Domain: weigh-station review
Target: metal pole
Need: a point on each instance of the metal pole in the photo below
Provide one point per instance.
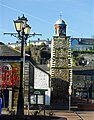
(70, 91)
(20, 104)
(69, 103)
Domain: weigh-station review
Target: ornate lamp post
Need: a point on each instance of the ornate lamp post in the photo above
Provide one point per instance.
(23, 30)
(23, 33)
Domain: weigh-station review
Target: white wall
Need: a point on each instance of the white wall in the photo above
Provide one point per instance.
(41, 81)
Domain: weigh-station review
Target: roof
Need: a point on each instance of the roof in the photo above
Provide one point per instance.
(1, 43)
(84, 72)
(84, 41)
(44, 67)
(60, 22)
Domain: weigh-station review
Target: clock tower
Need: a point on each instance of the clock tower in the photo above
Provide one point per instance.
(60, 61)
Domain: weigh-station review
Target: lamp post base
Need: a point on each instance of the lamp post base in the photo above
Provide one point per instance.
(20, 103)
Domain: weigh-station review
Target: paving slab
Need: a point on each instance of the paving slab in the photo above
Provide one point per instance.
(66, 114)
(75, 115)
(86, 115)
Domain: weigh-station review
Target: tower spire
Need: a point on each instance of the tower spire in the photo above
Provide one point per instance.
(60, 27)
(60, 14)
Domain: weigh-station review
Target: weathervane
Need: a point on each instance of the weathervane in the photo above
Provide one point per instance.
(60, 14)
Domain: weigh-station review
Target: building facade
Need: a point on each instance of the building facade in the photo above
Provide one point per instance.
(10, 78)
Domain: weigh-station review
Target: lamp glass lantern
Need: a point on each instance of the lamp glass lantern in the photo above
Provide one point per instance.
(18, 25)
(24, 21)
(27, 30)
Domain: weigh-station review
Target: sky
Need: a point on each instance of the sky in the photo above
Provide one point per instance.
(43, 14)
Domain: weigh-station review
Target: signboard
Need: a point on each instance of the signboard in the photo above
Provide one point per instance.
(70, 90)
(33, 99)
(40, 99)
(37, 99)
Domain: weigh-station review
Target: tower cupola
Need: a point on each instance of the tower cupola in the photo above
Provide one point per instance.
(60, 28)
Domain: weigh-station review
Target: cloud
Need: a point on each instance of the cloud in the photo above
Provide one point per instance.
(23, 12)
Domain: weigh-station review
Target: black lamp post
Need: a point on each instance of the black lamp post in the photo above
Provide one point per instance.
(23, 30)
(23, 33)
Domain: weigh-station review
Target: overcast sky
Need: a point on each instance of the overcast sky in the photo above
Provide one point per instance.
(42, 15)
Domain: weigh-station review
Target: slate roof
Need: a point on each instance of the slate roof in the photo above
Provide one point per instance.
(84, 41)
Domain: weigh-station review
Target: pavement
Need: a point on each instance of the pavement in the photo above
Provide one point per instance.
(75, 115)
(69, 115)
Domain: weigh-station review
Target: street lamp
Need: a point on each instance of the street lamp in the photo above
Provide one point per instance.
(23, 33)
(23, 30)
